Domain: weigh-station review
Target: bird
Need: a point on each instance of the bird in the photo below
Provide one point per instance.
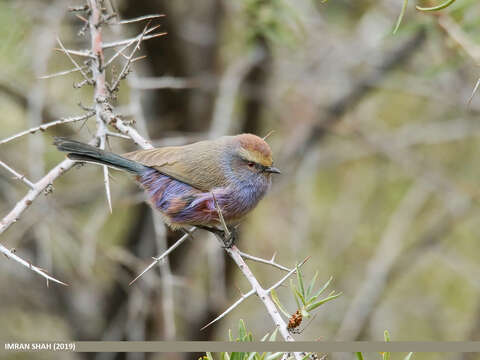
(188, 184)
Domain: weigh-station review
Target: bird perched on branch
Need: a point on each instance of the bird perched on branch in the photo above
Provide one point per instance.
(186, 182)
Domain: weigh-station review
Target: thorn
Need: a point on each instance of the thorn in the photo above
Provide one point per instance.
(273, 256)
(269, 133)
(81, 18)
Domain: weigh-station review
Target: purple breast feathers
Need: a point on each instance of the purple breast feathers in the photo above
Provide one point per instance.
(183, 204)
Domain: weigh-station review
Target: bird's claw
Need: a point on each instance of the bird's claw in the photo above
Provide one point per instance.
(229, 241)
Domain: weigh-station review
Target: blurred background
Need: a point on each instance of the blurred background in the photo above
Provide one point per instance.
(374, 133)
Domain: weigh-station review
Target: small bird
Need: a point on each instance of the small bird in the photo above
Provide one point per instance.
(185, 182)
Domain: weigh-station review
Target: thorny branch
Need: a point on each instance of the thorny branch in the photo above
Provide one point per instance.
(105, 116)
(45, 126)
(17, 175)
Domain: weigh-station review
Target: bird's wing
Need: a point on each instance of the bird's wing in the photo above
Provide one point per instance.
(198, 164)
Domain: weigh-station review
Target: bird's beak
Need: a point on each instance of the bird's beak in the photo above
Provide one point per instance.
(271, 169)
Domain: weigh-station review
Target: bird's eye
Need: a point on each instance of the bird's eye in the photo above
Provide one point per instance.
(251, 165)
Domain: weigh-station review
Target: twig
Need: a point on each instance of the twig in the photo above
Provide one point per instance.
(84, 53)
(131, 132)
(137, 19)
(168, 301)
(45, 126)
(10, 254)
(120, 52)
(264, 261)
(253, 291)
(263, 294)
(290, 273)
(123, 42)
(106, 179)
(100, 93)
(88, 80)
(126, 66)
(164, 82)
(18, 176)
(157, 259)
(230, 308)
(114, 134)
(61, 73)
(39, 186)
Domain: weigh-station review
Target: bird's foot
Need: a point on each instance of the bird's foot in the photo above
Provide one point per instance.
(228, 241)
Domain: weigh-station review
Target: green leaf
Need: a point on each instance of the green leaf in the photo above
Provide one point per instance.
(386, 336)
(251, 355)
(321, 302)
(300, 283)
(386, 354)
(209, 356)
(400, 17)
(230, 337)
(307, 356)
(242, 330)
(322, 289)
(359, 355)
(273, 337)
(264, 337)
(236, 356)
(274, 356)
(409, 356)
(312, 284)
(225, 356)
(292, 287)
(277, 302)
(300, 296)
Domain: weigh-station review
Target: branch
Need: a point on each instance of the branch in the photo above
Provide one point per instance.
(162, 256)
(230, 308)
(253, 291)
(61, 73)
(78, 67)
(45, 126)
(138, 19)
(11, 255)
(264, 261)
(126, 66)
(18, 176)
(263, 295)
(119, 52)
(13, 216)
(123, 42)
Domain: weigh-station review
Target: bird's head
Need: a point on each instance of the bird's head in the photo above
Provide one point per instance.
(251, 159)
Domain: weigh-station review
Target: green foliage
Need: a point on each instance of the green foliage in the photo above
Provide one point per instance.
(245, 336)
(305, 297)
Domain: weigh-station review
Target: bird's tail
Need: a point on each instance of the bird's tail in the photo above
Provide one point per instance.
(83, 152)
